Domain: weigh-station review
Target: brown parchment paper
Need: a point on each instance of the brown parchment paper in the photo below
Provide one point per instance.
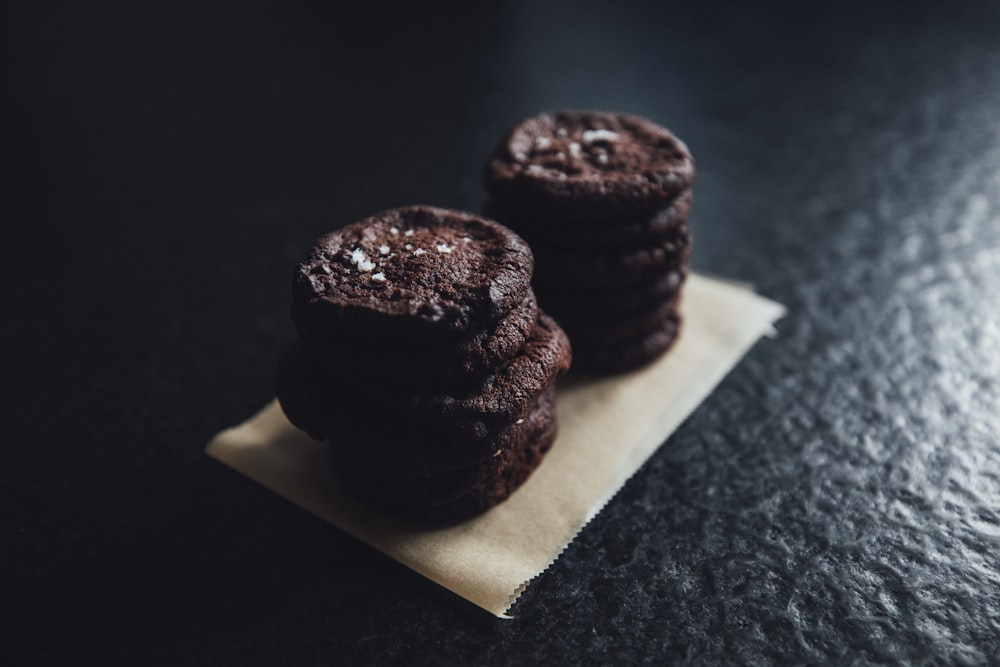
(608, 428)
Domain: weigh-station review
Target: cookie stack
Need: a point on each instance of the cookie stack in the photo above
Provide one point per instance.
(603, 199)
(424, 361)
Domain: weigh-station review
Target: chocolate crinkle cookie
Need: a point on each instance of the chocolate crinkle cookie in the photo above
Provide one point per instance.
(603, 198)
(424, 361)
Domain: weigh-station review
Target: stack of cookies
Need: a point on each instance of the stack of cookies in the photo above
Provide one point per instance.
(423, 360)
(603, 199)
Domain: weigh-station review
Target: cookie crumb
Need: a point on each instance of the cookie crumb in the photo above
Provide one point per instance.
(561, 133)
(378, 277)
(408, 232)
(602, 158)
(393, 231)
(383, 249)
(445, 248)
(418, 252)
(574, 149)
(541, 143)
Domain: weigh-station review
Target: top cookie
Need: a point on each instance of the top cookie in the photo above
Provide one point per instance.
(588, 165)
(410, 275)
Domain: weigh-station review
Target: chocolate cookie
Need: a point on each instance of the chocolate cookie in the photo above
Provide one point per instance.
(614, 300)
(505, 395)
(303, 392)
(381, 433)
(606, 359)
(588, 165)
(490, 492)
(460, 364)
(324, 405)
(561, 266)
(443, 366)
(601, 235)
(607, 329)
(391, 486)
(409, 276)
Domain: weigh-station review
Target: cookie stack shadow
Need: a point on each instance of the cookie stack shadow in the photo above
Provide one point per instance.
(603, 200)
(423, 361)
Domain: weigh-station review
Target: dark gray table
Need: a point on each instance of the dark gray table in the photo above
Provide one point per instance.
(836, 500)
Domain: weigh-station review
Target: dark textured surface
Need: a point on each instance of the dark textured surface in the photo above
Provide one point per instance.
(834, 501)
